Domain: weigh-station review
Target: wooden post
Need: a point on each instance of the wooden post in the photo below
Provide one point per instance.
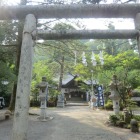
(137, 26)
(20, 123)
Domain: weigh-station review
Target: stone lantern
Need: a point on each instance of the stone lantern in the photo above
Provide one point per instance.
(43, 86)
(115, 97)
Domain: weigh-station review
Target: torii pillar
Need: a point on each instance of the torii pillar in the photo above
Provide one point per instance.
(20, 123)
(137, 27)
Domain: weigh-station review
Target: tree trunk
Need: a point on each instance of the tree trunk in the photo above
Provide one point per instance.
(61, 73)
(13, 98)
(88, 34)
(71, 11)
(20, 123)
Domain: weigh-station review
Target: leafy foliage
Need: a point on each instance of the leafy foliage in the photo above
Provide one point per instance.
(137, 117)
(109, 105)
(113, 119)
(41, 69)
(7, 57)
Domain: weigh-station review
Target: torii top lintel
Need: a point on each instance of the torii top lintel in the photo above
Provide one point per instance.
(70, 11)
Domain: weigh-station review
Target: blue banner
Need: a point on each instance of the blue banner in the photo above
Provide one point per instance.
(98, 90)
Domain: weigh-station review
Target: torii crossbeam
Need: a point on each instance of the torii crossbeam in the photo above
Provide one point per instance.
(70, 11)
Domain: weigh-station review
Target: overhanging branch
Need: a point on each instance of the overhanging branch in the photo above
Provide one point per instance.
(88, 34)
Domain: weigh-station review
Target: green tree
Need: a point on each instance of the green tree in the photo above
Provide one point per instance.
(125, 65)
(7, 56)
(59, 53)
(113, 46)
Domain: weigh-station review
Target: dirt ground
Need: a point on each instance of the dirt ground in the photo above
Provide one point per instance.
(70, 123)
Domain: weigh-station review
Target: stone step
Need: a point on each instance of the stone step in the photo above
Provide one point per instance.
(76, 99)
(76, 103)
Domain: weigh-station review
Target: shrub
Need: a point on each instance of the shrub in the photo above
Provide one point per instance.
(127, 126)
(34, 103)
(113, 119)
(120, 123)
(52, 102)
(136, 117)
(121, 116)
(109, 105)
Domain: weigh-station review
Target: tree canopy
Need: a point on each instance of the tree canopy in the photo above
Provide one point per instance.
(56, 58)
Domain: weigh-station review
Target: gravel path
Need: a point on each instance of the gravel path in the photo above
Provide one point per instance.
(70, 123)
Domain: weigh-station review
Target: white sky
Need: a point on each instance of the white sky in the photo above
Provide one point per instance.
(95, 23)
(102, 23)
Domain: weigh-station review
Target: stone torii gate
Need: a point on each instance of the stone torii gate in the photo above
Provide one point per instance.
(30, 32)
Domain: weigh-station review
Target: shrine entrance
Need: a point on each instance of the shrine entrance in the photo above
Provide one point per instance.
(72, 91)
(76, 96)
(30, 35)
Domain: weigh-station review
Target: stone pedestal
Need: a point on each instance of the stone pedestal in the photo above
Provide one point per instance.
(87, 96)
(91, 104)
(43, 107)
(60, 102)
(115, 97)
(92, 101)
(43, 86)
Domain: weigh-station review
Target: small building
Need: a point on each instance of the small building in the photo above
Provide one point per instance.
(72, 91)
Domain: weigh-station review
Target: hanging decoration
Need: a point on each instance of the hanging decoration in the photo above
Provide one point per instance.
(101, 58)
(93, 60)
(84, 61)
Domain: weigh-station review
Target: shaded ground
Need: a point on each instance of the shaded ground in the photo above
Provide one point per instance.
(71, 123)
